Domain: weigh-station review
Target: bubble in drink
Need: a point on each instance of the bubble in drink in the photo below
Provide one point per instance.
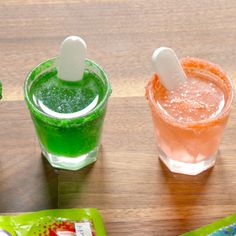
(190, 119)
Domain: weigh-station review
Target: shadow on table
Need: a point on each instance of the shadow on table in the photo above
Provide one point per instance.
(51, 184)
(75, 188)
(188, 195)
(30, 185)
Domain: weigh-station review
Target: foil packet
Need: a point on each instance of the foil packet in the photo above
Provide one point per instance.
(58, 222)
(222, 227)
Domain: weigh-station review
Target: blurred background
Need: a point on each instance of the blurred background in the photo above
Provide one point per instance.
(121, 36)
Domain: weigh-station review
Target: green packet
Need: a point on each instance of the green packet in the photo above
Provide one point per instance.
(66, 222)
(0, 89)
(225, 226)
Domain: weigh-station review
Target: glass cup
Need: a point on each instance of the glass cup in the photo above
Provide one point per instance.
(190, 148)
(68, 143)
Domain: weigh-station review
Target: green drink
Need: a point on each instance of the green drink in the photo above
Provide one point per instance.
(68, 115)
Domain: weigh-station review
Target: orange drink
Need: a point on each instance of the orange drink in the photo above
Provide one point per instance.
(189, 120)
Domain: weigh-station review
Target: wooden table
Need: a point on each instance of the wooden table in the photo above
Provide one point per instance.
(135, 193)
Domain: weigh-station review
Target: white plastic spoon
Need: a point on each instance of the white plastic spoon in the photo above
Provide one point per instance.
(71, 60)
(168, 68)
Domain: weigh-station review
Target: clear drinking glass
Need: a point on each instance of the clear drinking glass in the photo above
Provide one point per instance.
(68, 143)
(190, 147)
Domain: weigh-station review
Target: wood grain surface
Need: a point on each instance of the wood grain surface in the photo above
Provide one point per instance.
(135, 193)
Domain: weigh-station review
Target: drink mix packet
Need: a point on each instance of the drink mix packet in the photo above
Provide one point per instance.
(67, 222)
(225, 226)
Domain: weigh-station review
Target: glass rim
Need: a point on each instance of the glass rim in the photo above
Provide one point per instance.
(88, 63)
(201, 123)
